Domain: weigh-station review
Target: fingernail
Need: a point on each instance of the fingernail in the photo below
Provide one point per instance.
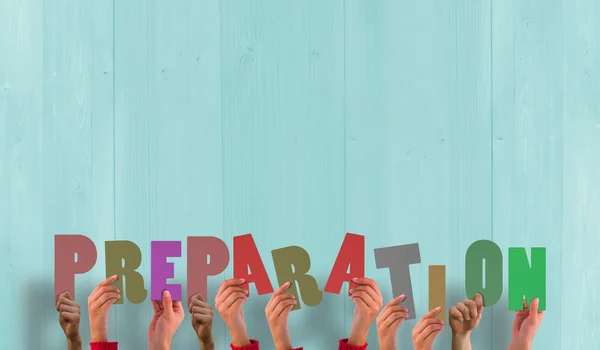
(246, 291)
(243, 280)
(293, 296)
(402, 296)
(295, 302)
(167, 293)
(286, 284)
(350, 291)
(355, 279)
(118, 291)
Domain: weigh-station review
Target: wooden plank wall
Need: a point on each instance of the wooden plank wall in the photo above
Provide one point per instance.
(437, 122)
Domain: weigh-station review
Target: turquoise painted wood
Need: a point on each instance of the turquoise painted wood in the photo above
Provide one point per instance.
(434, 122)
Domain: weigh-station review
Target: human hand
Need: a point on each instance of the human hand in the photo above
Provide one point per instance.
(229, 302)
(102, 297)
(388, 322)
(427, 329)
(277, 311)
(202, 315)
(525, 326)
(168, 315)
(367, 297)
(464, 318)
(68, 317)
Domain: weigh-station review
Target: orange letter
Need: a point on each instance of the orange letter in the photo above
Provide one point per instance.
(246, 257)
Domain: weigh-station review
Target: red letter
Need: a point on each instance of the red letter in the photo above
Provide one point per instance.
(198, 268)
(65, 265)
(246, 256)
(352, 253)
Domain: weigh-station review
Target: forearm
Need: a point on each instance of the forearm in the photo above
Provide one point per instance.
(518, 346)
(239, 338)
(358, 336)
(74, 344)
(461, 341)
(388, 343)
(207, 345)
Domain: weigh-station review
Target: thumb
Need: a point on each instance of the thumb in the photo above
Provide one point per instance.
(167, 302)
(533, 312)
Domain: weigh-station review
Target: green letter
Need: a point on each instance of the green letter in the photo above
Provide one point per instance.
(526, 280)
(491, 253)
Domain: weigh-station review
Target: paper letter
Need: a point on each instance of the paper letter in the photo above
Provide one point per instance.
(352, 254)
(123, 258)
(246, 256)
(65, 264)
(292, 265)
(160, 269)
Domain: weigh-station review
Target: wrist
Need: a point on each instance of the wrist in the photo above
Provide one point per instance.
(239, 339)
(461, 341)
(99, 337)
(283, 345)
(358, 336)
(516, 345)
(387, 342)
(74, 344)
(161, 345)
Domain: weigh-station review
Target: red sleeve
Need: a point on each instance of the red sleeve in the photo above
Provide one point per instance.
(104, 346)
(345, 346)
(253, 346)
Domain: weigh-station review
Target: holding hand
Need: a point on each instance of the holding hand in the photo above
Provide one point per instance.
(525, 326)
(427, 329)
(202, 315)
(368, 300)
(168, 315)
(69, 316)
(98, 304)
(388, 322)
(229, 302)
(464, 318)
(277, 310)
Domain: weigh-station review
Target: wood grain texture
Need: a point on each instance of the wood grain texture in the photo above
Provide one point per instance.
(581, 176)
(24, 259)
(419, 171)
(77, 134)
(168, 140)
(283, 146)
(528, 148)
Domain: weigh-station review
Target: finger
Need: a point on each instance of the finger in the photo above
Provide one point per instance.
(371, 283)
(478, 299)
(199, 304)
(464, 310)
(278, 292)
(432, 313)
(230, 283)
(201, 311)
(156, 306)
(68, 308)
(167, 302)
(369, 290)
(286, 312)
(361, 297)
(233, 298)
(63, 295)
(67, 302)
(533, 315)
(282, 305)
(177, 305)
(455, 313)
(425, 322)
(388, 310)
(107, 281)
(472, 308)
(277, 300)
(105, 298)
(197, 296)
(227, 293)
(71, 317)
(431, 331)
(395, 318)
(396, 300)
(203, 319)
(99, 291)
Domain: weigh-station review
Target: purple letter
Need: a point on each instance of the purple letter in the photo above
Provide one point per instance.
(161, 269)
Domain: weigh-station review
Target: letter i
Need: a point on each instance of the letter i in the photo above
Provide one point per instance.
(437, 289)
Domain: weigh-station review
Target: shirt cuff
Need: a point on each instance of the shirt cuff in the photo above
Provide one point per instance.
(253, 346)
(345, 346)
(104, 346)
